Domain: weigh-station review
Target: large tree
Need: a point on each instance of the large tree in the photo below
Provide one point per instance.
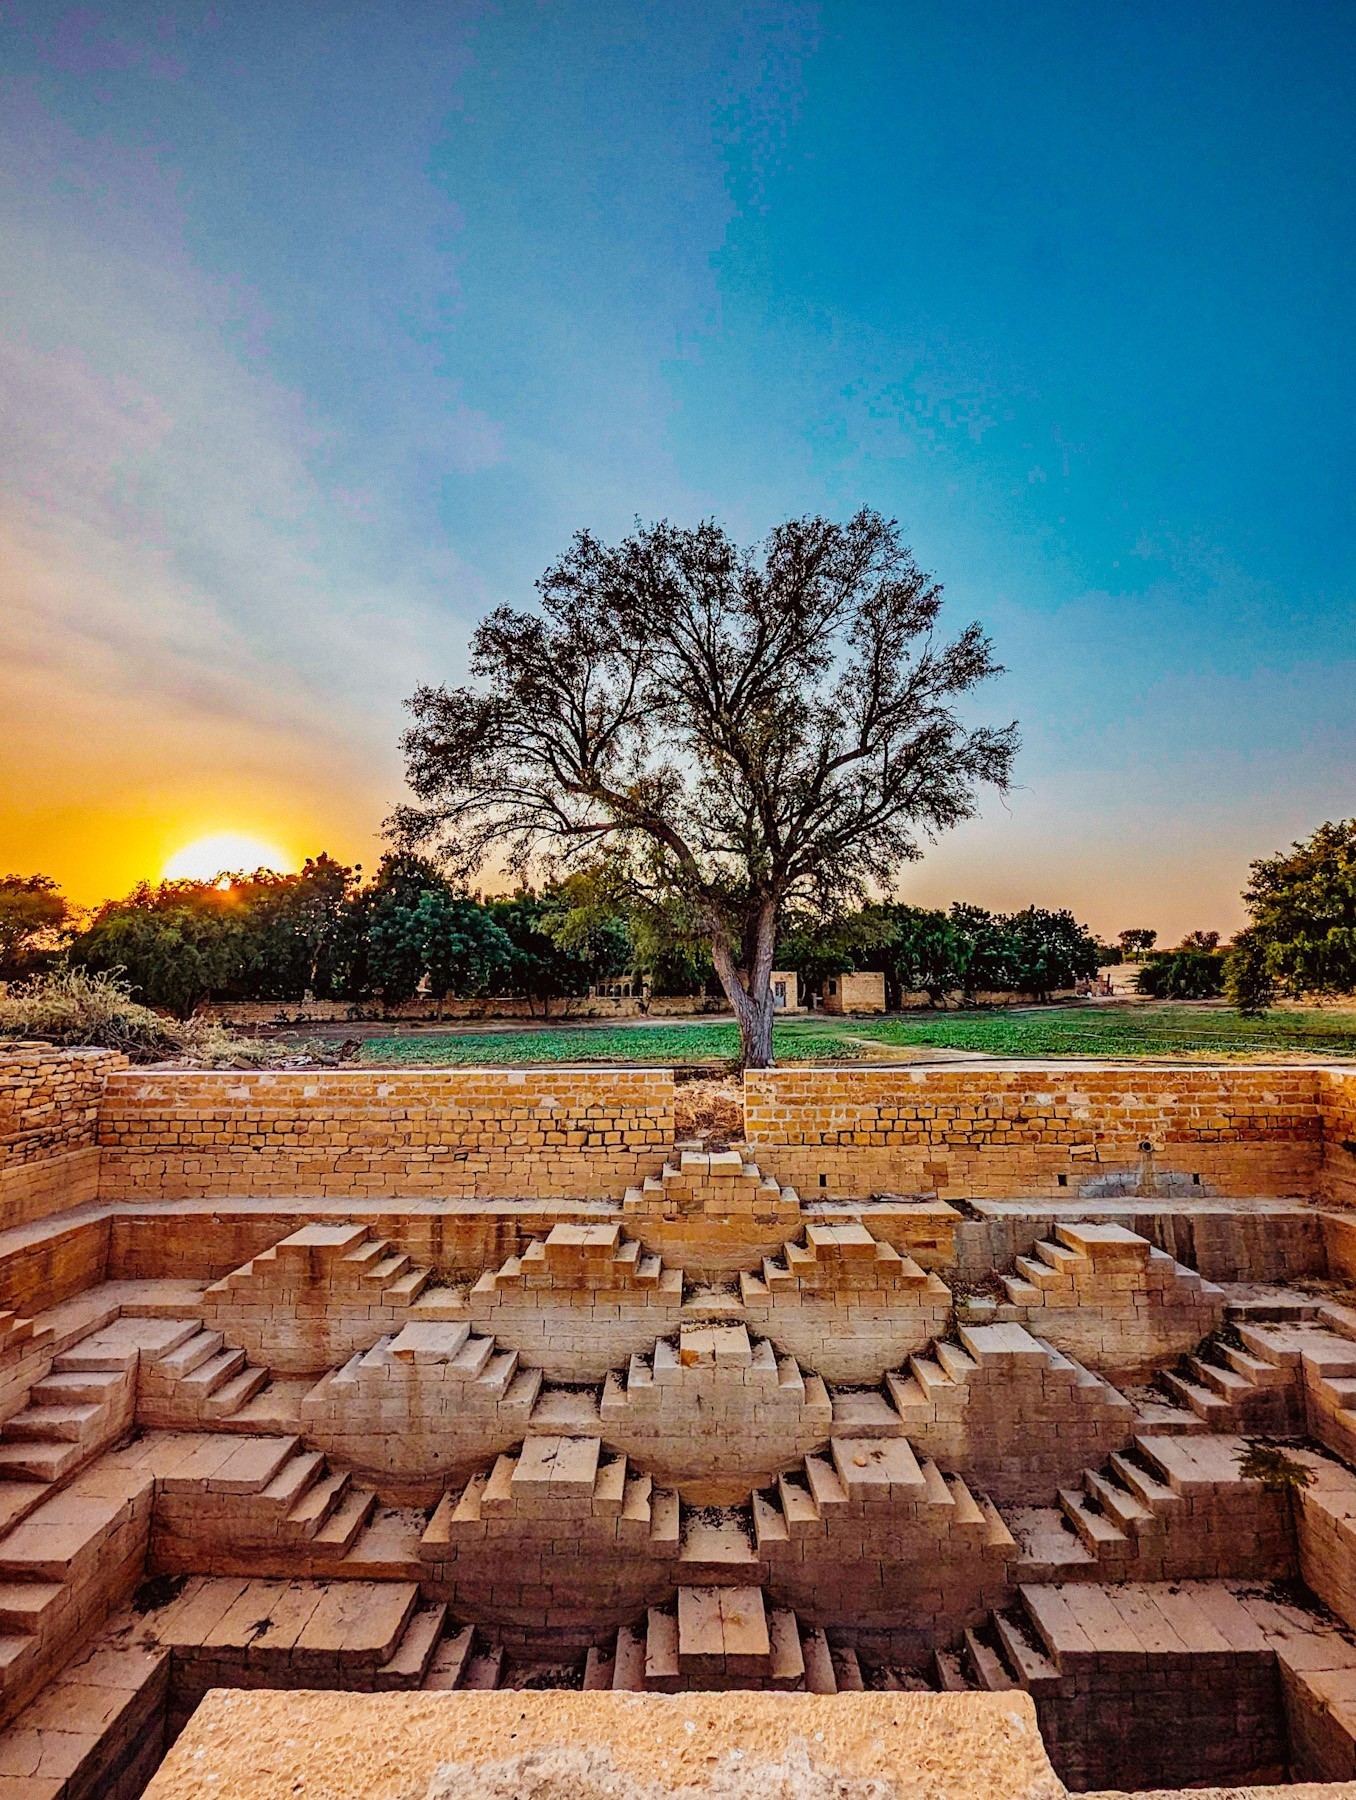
(745, 729)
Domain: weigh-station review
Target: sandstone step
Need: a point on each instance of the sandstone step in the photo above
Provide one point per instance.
(1125, 1509)
(599, 1665)
(414, 1653)
(1202, 1401)
(190, 1355)
(847, 1671)
(317, 1501)
(448, 1663)
(26, 1606)
(235, 1393)
(101, 1387)
(628, 1667)
(820, 1677)
(342, 1529)
(61, 1540)
(786, 1657)
(987, 1666)
(948, 1674)
(1033, 1668)
(1156, 1495)
(46, 1462)
(73, 1424)
(1098, 1532)
(485, 1669)
(664, 1662)
(297, 1474)
(1228, 1383)
(212, 1374)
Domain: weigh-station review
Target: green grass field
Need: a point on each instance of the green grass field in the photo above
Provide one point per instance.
(1031, 1032)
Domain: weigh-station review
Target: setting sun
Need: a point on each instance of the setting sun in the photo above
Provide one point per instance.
(223, 851)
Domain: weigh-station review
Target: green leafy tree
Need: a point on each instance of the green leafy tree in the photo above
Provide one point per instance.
(1302, 938)
(177, 943)
(1187, 973)
(1137, 943)
(749, 731)
(1045, 950)
(33, 916)
(417, 928)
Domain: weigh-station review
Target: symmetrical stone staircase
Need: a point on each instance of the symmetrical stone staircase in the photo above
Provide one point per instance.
(715, 1184)
(721, 1637)
(422, 1406)
(845, 1301)
(1107, 1296)
(717, 1406)
(1168, 1508)
(578, 1301)
(997, 1403)
(315, 1298)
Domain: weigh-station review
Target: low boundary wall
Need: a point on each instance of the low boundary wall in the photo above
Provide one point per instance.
(996, 1132)
(49, 1107)
(440, 1134)
(80, 1125)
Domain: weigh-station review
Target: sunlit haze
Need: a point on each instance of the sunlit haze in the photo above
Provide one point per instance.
(226, 852)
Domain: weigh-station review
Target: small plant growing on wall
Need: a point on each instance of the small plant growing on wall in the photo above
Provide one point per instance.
(1269, 1464)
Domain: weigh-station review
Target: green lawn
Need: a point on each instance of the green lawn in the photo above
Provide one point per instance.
(1035, 1032)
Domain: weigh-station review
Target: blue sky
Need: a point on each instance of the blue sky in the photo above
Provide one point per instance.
(321, 329)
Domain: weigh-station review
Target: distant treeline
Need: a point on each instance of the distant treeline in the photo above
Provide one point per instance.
(331, 934)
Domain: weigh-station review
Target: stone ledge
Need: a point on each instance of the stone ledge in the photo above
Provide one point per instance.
(271, 1746)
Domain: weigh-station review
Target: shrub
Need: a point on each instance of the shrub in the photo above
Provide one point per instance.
(1186, 974)
(80, 1009)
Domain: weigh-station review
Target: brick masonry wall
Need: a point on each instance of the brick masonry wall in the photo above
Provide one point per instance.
(996, 1132)
(49, 1103)
(1338, 1088)
(440, 1134)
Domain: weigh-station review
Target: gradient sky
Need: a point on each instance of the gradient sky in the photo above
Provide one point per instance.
(323, 327)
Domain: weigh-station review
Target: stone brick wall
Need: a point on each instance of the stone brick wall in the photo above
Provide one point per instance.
(994, 1132)
(432, 1133)
(49, 1103)
(1338, 1089)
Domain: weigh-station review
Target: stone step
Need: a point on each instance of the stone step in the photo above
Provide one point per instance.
(27, 1606)
(485, 1670)
(1201, 1400)
(1021, 1293)
(664, 1662)
(46, 1461)
(847, 1671)
(235, 1393)
(406, 1290)
(987, 1666)
(212, 1374)
(414, 1653)
(447, 1666)
(1033, 1669)
(298, 1473)
(342, 1529)
(947, 1673)
(1124, 1508)
(628, 1663)
(68, 1424)
(100, 1387)
(1156, 1495)
(1097, 1531)
(820, 1676)
(317, 1500)
(786, 1658)
(1229, 1384)
(191, 1355)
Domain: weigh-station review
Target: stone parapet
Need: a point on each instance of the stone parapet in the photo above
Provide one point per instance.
(49, 1106)
(1008, 1130)
(443, 1134)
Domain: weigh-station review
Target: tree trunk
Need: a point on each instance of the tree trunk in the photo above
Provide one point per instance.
(750, 991)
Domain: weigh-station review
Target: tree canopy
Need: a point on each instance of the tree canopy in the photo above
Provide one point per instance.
(1302, 938)
(32, 916)
(742, 730)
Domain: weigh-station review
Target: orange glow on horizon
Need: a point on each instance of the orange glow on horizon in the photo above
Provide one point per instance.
(227, 852)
